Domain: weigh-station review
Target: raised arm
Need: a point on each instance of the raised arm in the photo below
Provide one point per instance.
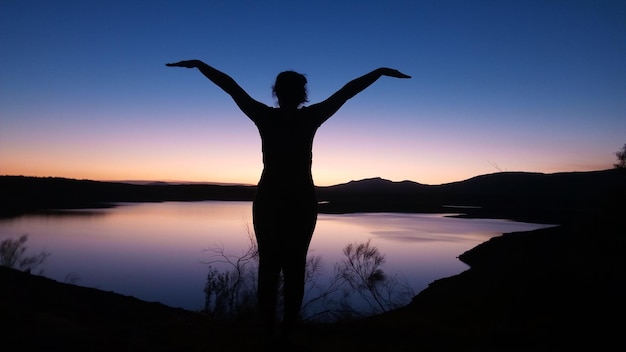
(329, 106)
(249, 106)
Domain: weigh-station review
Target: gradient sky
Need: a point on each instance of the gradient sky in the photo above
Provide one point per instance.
(537, 86)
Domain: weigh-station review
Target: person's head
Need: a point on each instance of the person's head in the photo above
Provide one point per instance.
(290, 89)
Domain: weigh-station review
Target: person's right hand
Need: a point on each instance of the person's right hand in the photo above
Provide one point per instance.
(187, 64)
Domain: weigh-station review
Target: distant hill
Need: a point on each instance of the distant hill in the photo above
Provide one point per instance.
(377, 184)
(516, 195)
(535, 197)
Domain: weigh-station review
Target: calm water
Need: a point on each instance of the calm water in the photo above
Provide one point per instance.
(156, 251)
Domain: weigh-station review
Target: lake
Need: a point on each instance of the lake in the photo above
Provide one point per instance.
(158, 251)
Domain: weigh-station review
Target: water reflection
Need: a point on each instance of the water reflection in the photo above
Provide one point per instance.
(155, 251)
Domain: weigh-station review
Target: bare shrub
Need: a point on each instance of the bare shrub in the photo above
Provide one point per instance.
(232, 293)
(362, 270)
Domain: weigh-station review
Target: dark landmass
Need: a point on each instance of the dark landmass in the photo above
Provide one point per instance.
(21, 194)
(555, 289)
(542, 198)
(532, 197)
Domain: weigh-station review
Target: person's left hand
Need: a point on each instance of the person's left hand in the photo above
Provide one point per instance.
(187, 64)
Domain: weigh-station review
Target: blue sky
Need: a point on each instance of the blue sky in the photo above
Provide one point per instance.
(537, 86)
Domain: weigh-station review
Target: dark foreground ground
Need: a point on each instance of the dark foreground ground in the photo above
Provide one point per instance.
(555, 289)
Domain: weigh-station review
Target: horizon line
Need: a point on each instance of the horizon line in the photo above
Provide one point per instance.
(217, 183)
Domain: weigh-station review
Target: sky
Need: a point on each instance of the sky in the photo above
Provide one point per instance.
(533, 86)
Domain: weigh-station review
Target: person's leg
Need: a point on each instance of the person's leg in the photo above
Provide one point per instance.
(264, 213)
(267, 290)
(294, 262)
(294, 275)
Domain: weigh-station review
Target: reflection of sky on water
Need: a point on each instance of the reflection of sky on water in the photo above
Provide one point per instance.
(155, 251)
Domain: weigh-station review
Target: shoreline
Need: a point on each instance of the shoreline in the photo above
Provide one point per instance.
(327, 208)
(523, 291)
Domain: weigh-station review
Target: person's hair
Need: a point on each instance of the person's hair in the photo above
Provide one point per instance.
(290, 86)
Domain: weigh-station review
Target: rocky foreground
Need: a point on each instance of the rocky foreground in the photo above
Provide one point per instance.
(554, 289)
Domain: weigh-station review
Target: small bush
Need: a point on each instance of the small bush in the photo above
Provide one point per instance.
(13, 255)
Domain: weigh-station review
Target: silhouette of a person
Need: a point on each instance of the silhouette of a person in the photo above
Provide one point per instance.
(285, 205)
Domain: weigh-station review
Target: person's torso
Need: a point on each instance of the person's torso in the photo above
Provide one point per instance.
(287, 144)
